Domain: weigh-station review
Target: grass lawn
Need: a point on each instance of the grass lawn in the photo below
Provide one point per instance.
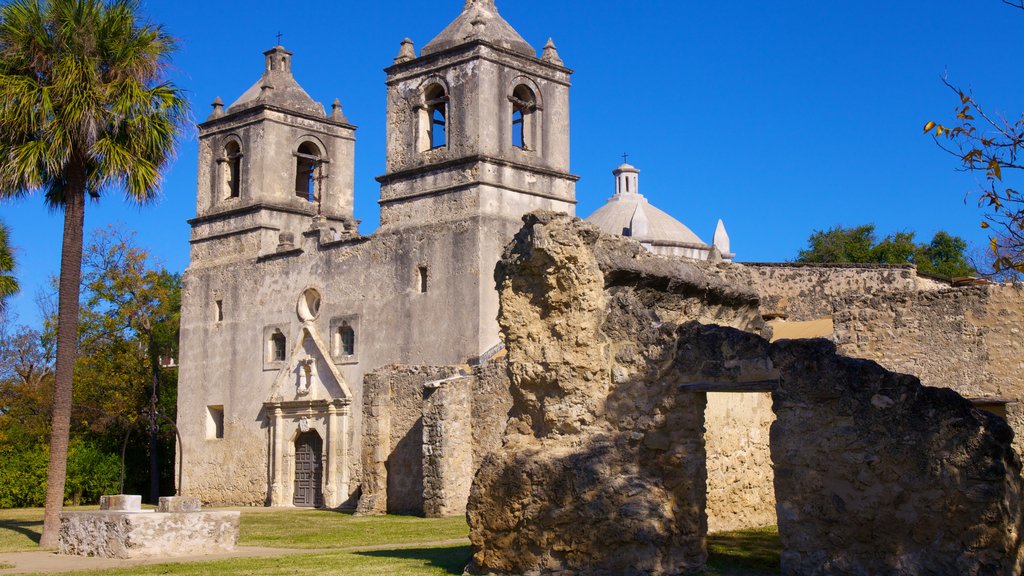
(402, 546)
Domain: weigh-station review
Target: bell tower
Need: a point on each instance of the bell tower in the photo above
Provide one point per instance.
(477, 125)
(272, 165)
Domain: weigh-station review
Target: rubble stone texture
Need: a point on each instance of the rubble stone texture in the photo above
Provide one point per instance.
(147, 534)
(876, 474)
(603, 466)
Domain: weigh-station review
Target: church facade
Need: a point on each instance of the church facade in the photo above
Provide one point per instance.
(286, 306)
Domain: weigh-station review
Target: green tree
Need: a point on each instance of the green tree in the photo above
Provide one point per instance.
(8, 283)
(839, 245)
(990, 143)
(943, 256)
(84, 108)
(130, 322)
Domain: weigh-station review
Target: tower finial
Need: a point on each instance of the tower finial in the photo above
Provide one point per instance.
(550, 54)
(485, 4)
(218, 108)
(406, 52)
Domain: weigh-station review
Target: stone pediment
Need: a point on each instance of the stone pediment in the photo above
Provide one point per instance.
(309, 372)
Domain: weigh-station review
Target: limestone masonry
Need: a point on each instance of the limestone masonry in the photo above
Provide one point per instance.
(321, 367)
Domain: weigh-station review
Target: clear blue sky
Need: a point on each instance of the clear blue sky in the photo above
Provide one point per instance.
(778, 117)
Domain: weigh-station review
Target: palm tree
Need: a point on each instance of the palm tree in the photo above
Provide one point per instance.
(84, 108)
(8, 283)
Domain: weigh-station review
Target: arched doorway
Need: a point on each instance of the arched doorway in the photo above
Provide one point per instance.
(309, 449)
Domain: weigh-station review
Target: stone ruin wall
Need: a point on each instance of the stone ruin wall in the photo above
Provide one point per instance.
(876, 474)
(603, 466)
(966, 338)
(426, 428)
(803, 292)
(601, 470)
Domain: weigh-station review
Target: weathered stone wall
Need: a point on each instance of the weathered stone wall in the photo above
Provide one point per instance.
(111, 534)
(602, 470)
(426, 429)
(447, 446)
(491, 401)
(968, 339)
(803, 292)
(876, 474)
(392, 448)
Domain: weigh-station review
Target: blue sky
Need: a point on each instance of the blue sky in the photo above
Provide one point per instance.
(778, 117)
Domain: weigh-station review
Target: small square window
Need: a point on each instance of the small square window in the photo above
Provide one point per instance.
(214, 422)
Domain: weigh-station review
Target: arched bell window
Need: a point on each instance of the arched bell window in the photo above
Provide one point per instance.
(231, 170)
(433, 118)
(308, 168)
(524, 122)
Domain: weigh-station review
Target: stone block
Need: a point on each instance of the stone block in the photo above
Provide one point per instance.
(121, 503)
(179, 504)
(125, 535)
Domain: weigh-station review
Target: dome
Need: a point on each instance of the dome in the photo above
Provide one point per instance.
(628, 213)
(624, 215)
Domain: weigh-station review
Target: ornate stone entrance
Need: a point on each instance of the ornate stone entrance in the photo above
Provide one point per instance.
(307, 415)
(309, 450)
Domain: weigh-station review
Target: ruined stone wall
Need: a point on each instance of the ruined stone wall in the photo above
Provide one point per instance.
(803, 292)
(876, 474)
(426, 429)
(491, 401)
(602, 470)
(447, 446)
(925, 334)
(392, 450)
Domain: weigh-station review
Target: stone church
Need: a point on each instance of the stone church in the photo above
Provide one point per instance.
(323, 367)
(286, 306)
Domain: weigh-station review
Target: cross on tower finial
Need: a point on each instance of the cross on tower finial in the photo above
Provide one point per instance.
(625, 158)
(279, 38)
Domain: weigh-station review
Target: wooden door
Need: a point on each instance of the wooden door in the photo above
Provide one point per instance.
(308, 471)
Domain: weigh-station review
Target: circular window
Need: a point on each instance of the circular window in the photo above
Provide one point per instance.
(309, 305)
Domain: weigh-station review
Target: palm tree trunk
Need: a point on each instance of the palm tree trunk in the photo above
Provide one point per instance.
(67, 350)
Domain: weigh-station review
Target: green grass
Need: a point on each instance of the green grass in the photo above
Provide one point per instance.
(744, 552)
(318, 529)
(427, 561)
(20, 529)
(402, 546)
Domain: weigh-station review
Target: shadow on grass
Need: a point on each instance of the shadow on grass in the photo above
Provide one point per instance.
(452, 560)
(31, 529)
(747, 552)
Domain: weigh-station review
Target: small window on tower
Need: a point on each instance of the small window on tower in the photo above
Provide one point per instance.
(308, 171)
(218, 310)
